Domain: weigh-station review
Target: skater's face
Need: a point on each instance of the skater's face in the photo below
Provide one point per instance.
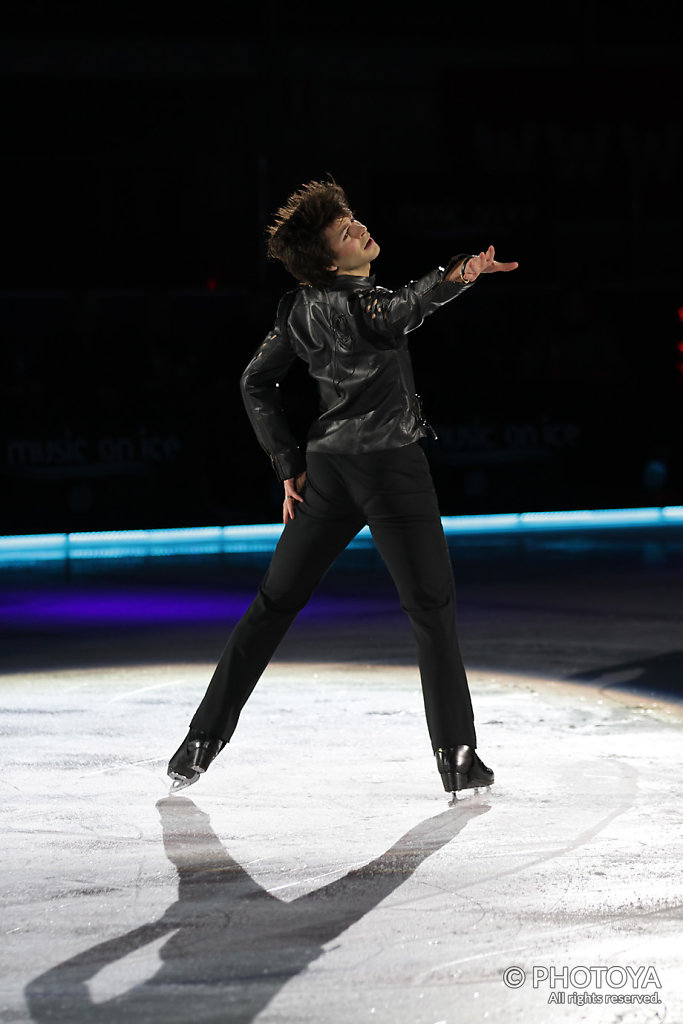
(352, 245)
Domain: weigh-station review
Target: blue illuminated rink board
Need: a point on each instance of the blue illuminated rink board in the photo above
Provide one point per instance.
(264, 537)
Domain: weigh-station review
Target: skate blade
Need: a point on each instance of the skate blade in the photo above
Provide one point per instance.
(476, 793)
(181, 781)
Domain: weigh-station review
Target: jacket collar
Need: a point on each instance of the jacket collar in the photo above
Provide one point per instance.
(350, 282)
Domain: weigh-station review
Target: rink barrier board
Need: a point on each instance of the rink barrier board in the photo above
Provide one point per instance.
(257, 538)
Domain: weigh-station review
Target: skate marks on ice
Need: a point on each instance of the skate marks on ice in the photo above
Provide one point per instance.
(617, 783)
(230, 945)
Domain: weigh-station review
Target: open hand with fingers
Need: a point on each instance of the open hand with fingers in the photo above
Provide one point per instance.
(485, 263)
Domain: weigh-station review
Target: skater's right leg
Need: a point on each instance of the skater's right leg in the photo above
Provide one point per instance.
(323, 526)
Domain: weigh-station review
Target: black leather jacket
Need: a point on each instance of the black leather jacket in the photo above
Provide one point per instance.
(352, 336)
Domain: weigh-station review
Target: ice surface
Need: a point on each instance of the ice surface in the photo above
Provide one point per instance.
(317, 873)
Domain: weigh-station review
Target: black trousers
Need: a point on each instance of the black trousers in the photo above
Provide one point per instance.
(392, 491)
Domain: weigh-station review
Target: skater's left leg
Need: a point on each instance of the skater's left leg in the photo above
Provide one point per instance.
(403, 515)
(400, 504)
(414, 550)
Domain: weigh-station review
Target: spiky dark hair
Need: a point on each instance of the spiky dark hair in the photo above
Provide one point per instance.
(297, 235)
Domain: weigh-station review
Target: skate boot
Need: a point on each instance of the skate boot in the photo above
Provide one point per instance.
(461, 768)
(192, 758)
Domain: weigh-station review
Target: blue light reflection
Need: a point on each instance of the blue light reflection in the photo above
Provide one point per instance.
(264, 537)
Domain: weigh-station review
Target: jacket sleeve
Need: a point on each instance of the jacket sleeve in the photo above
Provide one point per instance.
(397, 312)
(260, 392)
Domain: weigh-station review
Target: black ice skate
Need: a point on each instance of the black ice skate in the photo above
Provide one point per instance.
(461, 769)
(192, 758)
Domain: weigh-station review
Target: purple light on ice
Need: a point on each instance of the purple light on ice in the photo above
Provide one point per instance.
(93, 607)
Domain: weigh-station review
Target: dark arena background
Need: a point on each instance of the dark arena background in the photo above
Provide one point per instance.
(145, 151)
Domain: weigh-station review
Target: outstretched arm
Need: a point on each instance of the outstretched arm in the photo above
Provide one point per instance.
(469, 269)
(395, 313)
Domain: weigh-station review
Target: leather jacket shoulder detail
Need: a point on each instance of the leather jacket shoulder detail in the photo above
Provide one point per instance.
(352, 336)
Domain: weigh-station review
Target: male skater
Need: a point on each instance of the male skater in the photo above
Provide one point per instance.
(363, 464)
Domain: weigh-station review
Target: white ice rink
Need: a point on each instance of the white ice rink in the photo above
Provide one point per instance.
(317, 872)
